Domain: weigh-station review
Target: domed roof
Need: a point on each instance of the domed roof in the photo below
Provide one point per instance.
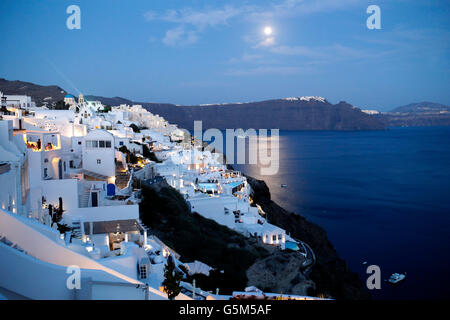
(69, 96)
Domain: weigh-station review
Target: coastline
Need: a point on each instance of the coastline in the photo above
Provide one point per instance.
(330, 274)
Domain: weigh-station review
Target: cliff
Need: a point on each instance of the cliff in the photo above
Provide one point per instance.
(330, 274)
(40, 94)
(283, 114)
(417, 114)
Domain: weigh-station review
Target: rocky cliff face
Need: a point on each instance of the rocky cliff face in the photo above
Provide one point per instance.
(417, 114)
(39, 94)
(415, 119)
(281, 114)
(330, 274)
(282, 272)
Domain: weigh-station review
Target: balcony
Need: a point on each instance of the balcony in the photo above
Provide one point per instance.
(38, 141)
(4, 167)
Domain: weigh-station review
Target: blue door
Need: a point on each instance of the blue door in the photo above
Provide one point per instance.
(110, 189)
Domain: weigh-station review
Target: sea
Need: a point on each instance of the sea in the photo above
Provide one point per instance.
(383, 198)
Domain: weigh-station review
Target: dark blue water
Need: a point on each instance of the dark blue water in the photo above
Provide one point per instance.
(382, 196)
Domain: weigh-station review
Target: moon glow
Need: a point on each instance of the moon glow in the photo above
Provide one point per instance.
(268, 31)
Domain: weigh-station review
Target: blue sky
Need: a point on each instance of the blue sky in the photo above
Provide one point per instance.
(195, 52)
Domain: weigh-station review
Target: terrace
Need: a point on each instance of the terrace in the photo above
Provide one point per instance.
(39, 140)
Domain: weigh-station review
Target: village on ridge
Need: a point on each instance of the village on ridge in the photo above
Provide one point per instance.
(69, 198)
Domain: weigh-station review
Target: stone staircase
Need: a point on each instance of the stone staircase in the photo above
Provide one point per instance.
(76, 229)
(83, 199)
(122, 176)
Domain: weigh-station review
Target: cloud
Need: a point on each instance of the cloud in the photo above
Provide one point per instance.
(195, 22)
(296, 8)
(267, 42)
(314, 59)
(248, 58)
(331, 53)
(179, 36)
(265, 70)
(191, 23)
(197, 18)
(298, 51)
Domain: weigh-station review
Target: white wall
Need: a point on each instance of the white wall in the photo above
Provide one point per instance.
(66, 188)
(8, 195)
(107, 166)
(15, 182)
(45, 249)
(39, 280)
(19, 101)
(213, 208)
(108, 213)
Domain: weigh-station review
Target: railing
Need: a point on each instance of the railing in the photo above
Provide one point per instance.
(4, 167)
(162, 244)
(144, 288)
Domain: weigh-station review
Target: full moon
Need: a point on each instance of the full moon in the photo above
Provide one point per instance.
(268, 31)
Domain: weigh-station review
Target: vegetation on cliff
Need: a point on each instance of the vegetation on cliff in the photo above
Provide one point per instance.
(330, 273)
(194, 237)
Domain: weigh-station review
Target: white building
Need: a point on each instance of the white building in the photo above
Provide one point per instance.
(19, 101)
(13, 171)
(99, 153)
(70, 100)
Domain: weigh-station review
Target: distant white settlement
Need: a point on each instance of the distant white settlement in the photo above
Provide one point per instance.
(67, 200)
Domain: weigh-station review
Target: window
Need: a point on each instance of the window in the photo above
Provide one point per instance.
(279, 237)
(71, 163)
(274, 237)
(65, 168)
(91, 144)
(79, 142)
(108, 143)
(101, 143)
(143, 271)
(99, 161)
(45, 172)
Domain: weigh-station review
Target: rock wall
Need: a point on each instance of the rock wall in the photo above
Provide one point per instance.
(330, 274)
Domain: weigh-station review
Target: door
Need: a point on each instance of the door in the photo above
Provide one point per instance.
(111, 189)
(60, 174)
(94, 196)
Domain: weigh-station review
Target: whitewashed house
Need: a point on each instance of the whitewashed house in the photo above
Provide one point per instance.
(99, 154)
(13, 171)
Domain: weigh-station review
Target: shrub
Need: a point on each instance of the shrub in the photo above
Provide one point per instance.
(197, 238)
